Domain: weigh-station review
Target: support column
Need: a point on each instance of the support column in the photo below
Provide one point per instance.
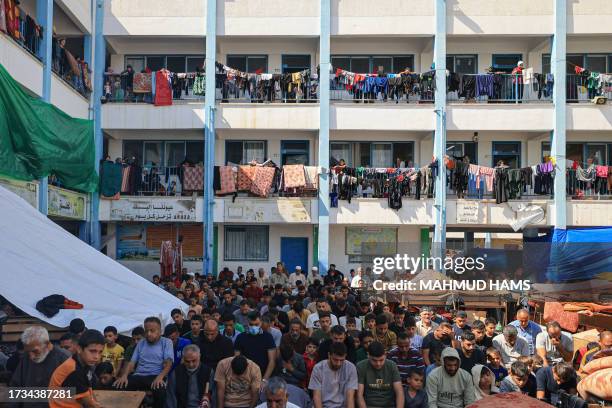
(99, 62)
(558, 135)
(439, 242)
(209, 137)
(44, 16)
(324, 77)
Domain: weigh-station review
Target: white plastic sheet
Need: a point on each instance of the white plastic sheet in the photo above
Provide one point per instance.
(38, 258)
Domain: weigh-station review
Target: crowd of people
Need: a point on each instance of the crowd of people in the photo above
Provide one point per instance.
(303, 340)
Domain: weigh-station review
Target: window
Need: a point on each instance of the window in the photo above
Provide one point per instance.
(508, 152)
(133, 148)
(295, 63)
(340, 151)
(596, 63)
(152, 153)
(174, 63)
(462, 64)
(460, 149)
(246, 243)
(597, 152)
(248, 63)
(505, 62)
(169, 154)
(382, 155)
(295, 152)
(245, 151)
(195, 63)
(175, 153)
(364, 64)
(580, 152)
(194, 152)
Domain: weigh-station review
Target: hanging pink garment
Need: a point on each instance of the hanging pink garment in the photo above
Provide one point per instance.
(166, 259)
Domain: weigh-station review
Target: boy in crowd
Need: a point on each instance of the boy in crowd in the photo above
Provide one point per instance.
(76, 372)
(495, 365)
(113, 352)
(519, 380)
(415, 396)
(310, 357)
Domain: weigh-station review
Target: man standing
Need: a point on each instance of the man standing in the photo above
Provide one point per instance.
(469, 354)
(213, 346)
(527, 329)
(460, 326)
(228, 305)
(254, 291)
(483, 342)
(338, 335)
(38, 364)
(425, 325)
(510, 346)
(334, 381)
(405, 357)
(314, 275)
(238, 381)
(379, 380)
(297, 276)
(153, 360)
(190, 379)
(262, 279)
(241, 315)
(183, 325)
(449, 386)
(312, 322)
(278, 277)
(553, 345)
(258, 346)
(324, 331)
(195, 335)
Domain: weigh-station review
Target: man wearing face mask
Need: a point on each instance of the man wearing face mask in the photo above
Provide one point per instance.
(214, 347)
(258, 346)
(296, 337)
(36, 368)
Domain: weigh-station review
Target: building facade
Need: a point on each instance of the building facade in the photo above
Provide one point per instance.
(520, 123)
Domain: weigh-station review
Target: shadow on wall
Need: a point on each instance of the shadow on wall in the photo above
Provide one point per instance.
(453, 9)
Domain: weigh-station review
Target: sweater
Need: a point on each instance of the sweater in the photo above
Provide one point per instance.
(446, 391)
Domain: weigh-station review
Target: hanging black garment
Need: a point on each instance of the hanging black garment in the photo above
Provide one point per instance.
(501, 185)
(395, 195)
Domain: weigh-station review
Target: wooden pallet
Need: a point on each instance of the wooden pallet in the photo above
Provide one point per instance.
(11, 331)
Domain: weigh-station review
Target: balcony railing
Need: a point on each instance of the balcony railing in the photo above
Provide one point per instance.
(499, 88)
(117, 88)
(186, 181)
(582, 88)
(409, 88)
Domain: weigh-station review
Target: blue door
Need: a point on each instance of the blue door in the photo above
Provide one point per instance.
(294, 252)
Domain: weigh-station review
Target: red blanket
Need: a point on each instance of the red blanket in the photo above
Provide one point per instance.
(163, 93)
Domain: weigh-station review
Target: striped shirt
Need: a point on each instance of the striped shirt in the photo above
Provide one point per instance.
(414, 359)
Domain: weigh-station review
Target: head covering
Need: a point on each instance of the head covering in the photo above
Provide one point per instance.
(476, 373)
(315, 269)
(520, 64)
(298, 268)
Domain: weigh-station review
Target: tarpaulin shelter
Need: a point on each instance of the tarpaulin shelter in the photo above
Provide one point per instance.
(37, 139)
(39, 259)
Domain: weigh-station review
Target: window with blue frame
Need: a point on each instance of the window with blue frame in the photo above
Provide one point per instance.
(295, 63)
(365, 64)
(505, 62)
(248, 63)
(507, 152)
(295, 152)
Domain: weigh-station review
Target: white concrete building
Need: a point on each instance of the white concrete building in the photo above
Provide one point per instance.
(281, 36)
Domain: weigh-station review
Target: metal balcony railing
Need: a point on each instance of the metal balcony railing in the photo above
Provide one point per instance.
(501, 88)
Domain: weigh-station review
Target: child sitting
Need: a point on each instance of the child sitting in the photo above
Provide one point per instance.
(415, 397)
(495, 365)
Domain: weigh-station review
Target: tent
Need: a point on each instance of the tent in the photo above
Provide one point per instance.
(39, 258)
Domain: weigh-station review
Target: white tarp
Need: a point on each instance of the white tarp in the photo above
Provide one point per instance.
(38, 258)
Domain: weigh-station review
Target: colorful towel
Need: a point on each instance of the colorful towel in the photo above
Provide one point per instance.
(246, 175)
(262, 181)
(227, 180)
(293, 176)
(142, 82)
(193, 178)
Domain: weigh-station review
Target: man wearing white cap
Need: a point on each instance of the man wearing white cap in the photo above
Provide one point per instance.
(297, 276)
(314, 275)
(517, 80)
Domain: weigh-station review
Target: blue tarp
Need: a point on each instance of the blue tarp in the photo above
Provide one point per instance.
(579, 254)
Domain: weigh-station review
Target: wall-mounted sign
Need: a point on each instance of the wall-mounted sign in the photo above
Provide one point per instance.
(153, 209)
(468, 212)
(268, 211)
(67, 204)
(371, 241)
(24, 189)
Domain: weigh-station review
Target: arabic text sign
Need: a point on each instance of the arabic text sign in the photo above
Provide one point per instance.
(468, 212)
(154, 209)
(67, 204)
(266, 211)
(24, 189)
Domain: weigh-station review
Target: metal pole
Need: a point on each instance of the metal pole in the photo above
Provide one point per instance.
(558, 67)
(99, 62)
(440, 132)
(209, 136)
(324, 95)
(44, 15)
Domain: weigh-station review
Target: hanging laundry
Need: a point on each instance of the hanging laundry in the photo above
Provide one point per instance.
(227, 180)
(312, 177)
(193, 178)
(246, 175)
(293, 176)
(163, 92)
(142, 82)
(262, 180)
